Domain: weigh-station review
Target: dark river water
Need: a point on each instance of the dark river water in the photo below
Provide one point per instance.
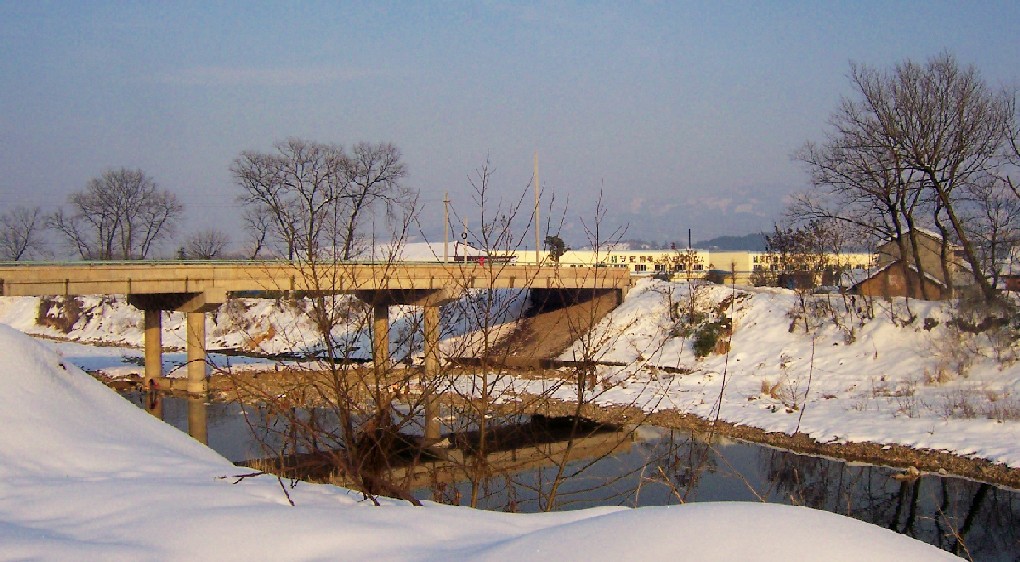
(655, 466)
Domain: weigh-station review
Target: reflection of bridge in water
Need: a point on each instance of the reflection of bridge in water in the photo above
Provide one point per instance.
(509, 449)
(414, 463)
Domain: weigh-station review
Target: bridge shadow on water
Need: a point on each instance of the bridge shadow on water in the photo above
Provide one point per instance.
(531, 464)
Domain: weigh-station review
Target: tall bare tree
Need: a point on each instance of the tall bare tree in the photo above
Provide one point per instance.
(916, 147)
(122, 214)
(21, 233)
(259, 225)
(372, 175)
(316, 199)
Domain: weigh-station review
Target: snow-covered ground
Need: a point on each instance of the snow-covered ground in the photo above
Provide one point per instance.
(84, 475)
(863, 380)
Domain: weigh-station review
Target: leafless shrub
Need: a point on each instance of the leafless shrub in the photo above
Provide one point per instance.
(61, 313)
(953, 352)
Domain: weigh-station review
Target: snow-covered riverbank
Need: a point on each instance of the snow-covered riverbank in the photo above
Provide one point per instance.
(861, 380)
(84, 475)
(847, 371)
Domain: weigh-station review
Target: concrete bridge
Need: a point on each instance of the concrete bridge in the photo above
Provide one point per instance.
(197, 288)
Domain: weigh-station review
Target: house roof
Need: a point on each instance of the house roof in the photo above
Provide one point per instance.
(929, 233)
(913, 268)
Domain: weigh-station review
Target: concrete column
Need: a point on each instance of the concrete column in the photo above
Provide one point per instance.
(431, 402)
(154, 351)
(198, 420)
(196, 353)
(381, 336)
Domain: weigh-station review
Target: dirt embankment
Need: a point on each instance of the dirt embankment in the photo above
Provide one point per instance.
(552, 324)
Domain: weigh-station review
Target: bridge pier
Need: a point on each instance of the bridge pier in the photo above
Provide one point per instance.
(198, 421)
(154, 351)
(380, 336)
(430, 300)
(197, 368)
(431, 321)
(194, 305)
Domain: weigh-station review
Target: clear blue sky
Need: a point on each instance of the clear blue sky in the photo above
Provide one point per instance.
(683, 113)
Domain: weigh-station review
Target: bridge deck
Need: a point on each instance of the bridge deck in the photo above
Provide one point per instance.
(174, 277)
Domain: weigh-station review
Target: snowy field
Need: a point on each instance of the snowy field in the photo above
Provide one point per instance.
(84, 475)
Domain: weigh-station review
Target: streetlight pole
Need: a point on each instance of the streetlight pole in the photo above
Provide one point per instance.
(446, 227)
(538, 223)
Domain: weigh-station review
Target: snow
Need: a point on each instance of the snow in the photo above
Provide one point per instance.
(85, 475)
(880, 383)
(870, 380)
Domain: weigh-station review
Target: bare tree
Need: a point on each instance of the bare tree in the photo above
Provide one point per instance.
(372, 175)
(315, 200)
(297, 186)
(122, 214)
(258, 224)
(21, 233)
(206, 244)
(916, 148)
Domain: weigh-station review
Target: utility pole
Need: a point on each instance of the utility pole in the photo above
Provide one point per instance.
(446, 227)
(538, 223)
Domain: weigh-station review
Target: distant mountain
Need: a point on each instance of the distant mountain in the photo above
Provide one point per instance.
(751, 242)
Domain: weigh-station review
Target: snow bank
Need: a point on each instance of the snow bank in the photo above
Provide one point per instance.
(869, 381)
(85, 475)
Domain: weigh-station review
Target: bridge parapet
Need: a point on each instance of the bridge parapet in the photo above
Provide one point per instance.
(170, 277)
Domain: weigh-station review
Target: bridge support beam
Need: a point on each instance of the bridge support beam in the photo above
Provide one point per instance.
(194, 305)
(431, 403)
(430, 300)
(154, 351)
(197, 383)
(381, 337)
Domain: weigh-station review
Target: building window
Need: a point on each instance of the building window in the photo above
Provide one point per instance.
(640, 267)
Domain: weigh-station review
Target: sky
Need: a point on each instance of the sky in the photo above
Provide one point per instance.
(678, 115)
